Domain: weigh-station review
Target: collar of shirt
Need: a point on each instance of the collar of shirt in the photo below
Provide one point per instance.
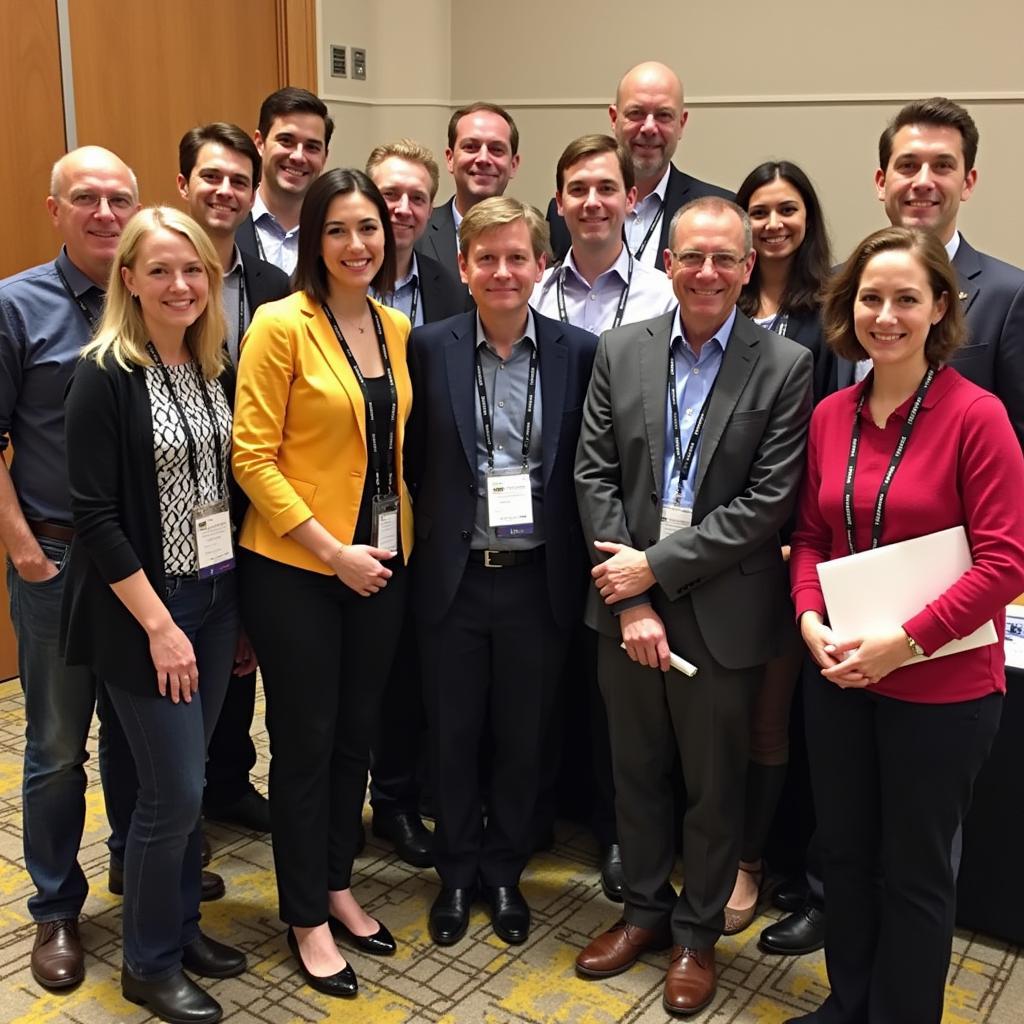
(411, 277)
(619, 267)
(262, 216)
(721, 336)
(530, 334)
(952, 245)
(236, 262)
(457, 217)
(80, 284)
(657, 195)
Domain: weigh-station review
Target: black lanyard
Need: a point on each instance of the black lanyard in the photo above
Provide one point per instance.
(619, 310)
(259, 243)
(90, 318)
(685, 460)
(894, 463)
(193, 457)
(485, 412)
(371, 414)
(415, 301)
(650, 231)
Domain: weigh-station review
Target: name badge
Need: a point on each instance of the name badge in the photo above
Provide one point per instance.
(384, 528)
(673, 518)
(509, 502)
(211, 528)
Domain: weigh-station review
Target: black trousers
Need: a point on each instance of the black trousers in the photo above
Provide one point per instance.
(491, 668)
(325, 653)
(892, 783)
(707, 720)
(232, 752)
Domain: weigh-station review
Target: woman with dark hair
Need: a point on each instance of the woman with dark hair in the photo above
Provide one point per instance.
(323, 396)
(784, 295)
(895, 738)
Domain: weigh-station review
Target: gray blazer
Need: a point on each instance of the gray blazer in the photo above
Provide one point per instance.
(750, 465)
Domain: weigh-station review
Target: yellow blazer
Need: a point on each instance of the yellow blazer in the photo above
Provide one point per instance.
(299, 440)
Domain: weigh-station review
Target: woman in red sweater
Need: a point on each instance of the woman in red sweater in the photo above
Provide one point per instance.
(895, 748)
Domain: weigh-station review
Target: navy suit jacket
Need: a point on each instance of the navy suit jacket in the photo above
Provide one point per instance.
(438, 242)
(263, 281)
(443, 296)
(245, 238)
(441, 460)
(681, 189)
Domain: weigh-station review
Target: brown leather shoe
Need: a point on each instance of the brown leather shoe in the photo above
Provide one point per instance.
(618, 948)
(57, 958)
(690, 981)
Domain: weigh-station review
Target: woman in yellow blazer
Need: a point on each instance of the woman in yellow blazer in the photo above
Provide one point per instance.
(322, 400)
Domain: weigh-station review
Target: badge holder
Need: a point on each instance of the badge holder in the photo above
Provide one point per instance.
(674, 518)
(509, 502)
(384, 529)
(211, 528)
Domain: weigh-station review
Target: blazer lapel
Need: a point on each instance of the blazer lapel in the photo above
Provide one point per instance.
(653, 357)
(322, 336)
(968, 271)
(737, 363)
(459, 352)
(553, 366)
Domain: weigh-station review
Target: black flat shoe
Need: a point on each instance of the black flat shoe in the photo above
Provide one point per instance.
(791, 894)
(177, 999)
(380, 943)
(611, 873)
(342, 984)
(406, 832)
(212, 959)
(211, 885)
(800, 933)
(510, 915)
(449, 916)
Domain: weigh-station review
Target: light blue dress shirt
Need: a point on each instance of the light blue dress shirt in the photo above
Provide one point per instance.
(276, 245)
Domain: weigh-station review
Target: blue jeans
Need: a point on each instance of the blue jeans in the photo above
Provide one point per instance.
(169, 741)
(59, 702)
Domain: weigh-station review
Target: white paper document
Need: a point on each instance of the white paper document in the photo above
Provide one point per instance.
(879, 590)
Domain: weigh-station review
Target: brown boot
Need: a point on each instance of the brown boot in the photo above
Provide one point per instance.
(618, 948)
(690, 981)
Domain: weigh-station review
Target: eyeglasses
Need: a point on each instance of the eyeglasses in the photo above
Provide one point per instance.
(694, 259)
(91, 200)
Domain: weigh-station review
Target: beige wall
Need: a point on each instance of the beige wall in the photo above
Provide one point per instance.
(803, 83)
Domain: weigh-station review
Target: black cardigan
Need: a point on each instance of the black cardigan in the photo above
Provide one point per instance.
(116, 510)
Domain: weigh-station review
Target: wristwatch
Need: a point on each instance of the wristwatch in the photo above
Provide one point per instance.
(914, 646)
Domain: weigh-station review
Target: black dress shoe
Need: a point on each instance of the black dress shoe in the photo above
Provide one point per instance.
(250, 811)
(791, 895)
(342, 984)
(611, 873)
(449, 915)
(802, 932)
(177, 999)
(510, 916)
(380, 943)
(211, 885)
(205, 853)
(411, 839)
(212, 959)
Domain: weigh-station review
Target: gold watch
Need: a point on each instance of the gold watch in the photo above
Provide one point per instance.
(915, 648)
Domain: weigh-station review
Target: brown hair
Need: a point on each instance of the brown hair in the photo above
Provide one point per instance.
(405, 149)
(939, 112)
(594, 145)
(476, 108)
(500, 210)
(944, 338)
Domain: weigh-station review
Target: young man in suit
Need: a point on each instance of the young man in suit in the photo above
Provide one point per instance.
(689, 460)
(499, 566)
(218, 173)
(648, 118)
(482, 158)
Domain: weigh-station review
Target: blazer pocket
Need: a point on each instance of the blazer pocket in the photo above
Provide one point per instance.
(749, 416)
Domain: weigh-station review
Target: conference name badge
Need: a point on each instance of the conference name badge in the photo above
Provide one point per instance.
(509, 502)
(674, 517)
(384, 528)
(211, 529)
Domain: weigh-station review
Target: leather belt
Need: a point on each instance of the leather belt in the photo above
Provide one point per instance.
(491, 559)
(51, 531)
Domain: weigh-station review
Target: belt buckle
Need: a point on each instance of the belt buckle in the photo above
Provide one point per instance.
(488, 564)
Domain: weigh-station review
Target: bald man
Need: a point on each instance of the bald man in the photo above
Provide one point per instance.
(47, 314)
(648, 118)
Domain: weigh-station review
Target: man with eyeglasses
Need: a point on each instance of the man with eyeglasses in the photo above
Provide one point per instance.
(689, 459)
(648, 118)
(47, 314)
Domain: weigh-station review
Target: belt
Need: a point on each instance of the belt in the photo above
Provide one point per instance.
(490, 559)
(51, 531)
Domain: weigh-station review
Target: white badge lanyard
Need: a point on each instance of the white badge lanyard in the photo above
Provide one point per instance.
(674, 515)
(620, 309)
(384, 531)
(509, 493)
(211, 521)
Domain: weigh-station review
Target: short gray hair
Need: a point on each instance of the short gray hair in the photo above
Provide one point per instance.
(713, 204)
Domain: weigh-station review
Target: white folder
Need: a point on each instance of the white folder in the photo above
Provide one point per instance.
(877, 590)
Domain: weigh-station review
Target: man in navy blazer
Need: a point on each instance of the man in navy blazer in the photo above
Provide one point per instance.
(648, 117)
(500, 568)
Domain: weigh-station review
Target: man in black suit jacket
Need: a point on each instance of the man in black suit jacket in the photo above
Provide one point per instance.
(499, 569)
(218, 173)
(688, 508)
(482, 157)
(647, 118)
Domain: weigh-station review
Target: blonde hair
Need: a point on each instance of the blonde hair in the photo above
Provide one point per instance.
(498, 211)
(122, 330)
(409, 150)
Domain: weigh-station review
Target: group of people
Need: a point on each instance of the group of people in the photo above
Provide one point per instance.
(397, 454)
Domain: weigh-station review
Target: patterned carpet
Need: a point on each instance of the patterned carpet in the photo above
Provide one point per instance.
(478, 981)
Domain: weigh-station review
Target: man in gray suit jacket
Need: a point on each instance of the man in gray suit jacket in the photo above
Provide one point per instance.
(689, 459)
